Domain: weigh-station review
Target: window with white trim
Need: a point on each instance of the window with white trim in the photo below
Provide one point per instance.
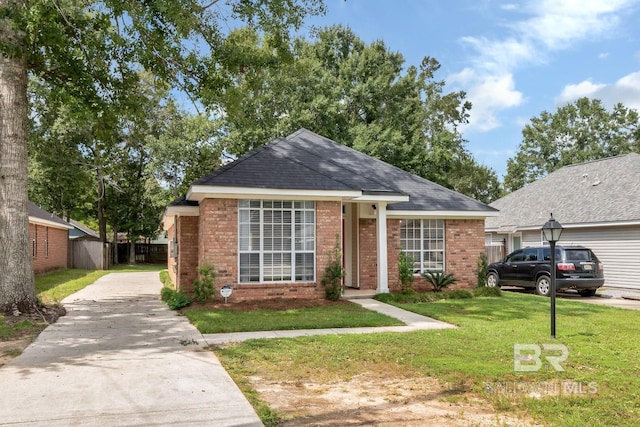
(276, 241)
(423, 240)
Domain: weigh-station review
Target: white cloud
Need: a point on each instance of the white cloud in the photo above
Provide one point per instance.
(487, 93)
(548, 26)
(625, 90)
(603, 55)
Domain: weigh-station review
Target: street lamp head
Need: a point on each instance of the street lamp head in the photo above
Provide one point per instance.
(552, 230)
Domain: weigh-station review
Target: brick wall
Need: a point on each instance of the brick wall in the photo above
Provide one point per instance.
(393, 253)
(464, 244)
(219, 238)
(368, 254)
(187, 260)
(51, 245)
(217, 244)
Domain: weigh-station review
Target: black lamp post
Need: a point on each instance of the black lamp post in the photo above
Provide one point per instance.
(552, 230)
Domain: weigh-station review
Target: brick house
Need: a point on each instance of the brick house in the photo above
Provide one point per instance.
(269, 221)
(49, 238)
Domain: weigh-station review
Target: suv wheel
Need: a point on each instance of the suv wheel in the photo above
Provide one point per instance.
(492, 280)
(543, 285)
(587, 292)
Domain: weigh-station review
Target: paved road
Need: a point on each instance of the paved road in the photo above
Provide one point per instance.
(120, 358)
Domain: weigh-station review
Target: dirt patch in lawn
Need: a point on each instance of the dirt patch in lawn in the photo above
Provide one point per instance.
(368, 400)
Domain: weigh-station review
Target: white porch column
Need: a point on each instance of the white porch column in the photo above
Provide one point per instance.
(381, 235)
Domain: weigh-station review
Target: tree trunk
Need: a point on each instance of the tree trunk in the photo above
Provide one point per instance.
(115, 246)
(102, 220)
(132, 253)
(17, 288)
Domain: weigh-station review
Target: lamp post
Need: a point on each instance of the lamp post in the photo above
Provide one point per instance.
(551, 231)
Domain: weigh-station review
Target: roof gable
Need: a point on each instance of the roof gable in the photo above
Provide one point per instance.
(601, 191)
(307, 161)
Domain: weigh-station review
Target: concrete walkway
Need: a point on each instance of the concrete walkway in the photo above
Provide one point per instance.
(413, 321)
(120, 358)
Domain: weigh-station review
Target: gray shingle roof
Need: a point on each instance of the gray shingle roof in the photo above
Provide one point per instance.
(307, 161)
(35, 211)
(600, 191)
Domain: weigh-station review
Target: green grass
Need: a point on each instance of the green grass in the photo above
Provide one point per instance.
(477, 357)
(209, 321)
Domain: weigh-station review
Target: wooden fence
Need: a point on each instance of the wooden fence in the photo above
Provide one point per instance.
(494, 253)
(89, 254)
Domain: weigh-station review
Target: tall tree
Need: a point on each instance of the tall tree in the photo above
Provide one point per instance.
(93, 49)
(17, 292)
(357, 94)
(578, 132)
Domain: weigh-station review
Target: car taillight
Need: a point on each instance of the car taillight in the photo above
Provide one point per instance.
(566, 266)
(600, 266)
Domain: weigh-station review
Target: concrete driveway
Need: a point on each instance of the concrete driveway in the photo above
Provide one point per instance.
(120, 358)
(612, 297)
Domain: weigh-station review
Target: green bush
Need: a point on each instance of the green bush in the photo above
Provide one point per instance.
(439, 280)
(166, 279)
(405, 272)
(174, 299)
(333, 274)
(487, 292)
(204, 285)
(482, 270)
(459, 294)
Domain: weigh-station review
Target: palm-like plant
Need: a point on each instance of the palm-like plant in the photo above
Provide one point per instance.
(439, 280)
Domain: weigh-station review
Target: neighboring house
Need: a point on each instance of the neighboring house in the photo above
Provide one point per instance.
(269, 221)
(82, 232)
(49, 237)
(597, 203)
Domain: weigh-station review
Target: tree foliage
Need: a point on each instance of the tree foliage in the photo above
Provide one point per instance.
(359, 95)
(90, 53)
(582, 131)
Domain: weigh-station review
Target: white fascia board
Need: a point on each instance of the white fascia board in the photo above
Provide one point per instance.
(183, 211)
(172, 211)
(391, 198)
(586, 225)
(442, 214)
(201, 192)
(52, 224)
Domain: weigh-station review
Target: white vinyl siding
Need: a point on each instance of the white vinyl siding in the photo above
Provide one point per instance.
(618, 248)
(276, 241)
(423, 240)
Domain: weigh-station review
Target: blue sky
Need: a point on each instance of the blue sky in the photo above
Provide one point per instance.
(514, 59)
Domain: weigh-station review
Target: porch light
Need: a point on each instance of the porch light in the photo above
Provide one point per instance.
(551, 230)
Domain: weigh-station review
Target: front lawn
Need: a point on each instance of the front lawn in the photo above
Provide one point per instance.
(600, 384)
(347, 315)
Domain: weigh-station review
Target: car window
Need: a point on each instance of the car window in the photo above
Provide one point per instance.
(546, 253)
(516, 256)
(531, 254)
(578, 255)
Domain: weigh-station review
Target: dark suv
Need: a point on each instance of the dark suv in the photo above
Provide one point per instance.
(577, 268)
